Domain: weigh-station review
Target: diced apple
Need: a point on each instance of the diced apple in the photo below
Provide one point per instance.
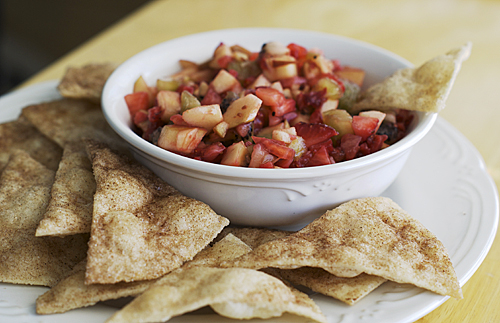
(282, 136)
(180, 139)
(205, 116)
(140, 85)
(170, 103)
(235, 155)
(374, 114)
(324, 65)
(280, 67)
(329, 105)
(221, 52)
(224, 81)
(242, 110)
(261, 80)
(275, 48)
(277, 86)
(221, 129)
(355, 75)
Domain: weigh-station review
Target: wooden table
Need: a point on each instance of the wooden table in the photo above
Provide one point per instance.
(416, 30)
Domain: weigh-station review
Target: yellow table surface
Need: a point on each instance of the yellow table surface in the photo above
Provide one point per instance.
(416, 30)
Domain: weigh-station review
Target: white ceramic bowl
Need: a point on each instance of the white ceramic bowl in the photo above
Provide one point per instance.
(262, 197)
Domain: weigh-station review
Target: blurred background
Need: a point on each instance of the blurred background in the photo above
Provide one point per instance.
(35, 33)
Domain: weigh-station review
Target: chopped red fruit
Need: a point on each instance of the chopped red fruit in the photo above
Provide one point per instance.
(211, 97)
(137, 101)
(364, 126)
(275, 147)
(320, 157)
(314, 133)
(350, 145)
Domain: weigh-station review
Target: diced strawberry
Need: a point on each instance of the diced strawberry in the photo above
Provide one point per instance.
(314, 133)
(267, 165)
(297, 51)
(288, 82)
(177, 120)
(320, 157)
(224, 60)
(284, 163)
(309, 101)
(269, 96)
(210, 153)
(350, 145)
(364, 126)
(154, 115)
(375, 142)
(316, 116)
(140, 116)
(137, 101)
(260, 156)
(244, 129)
(275, 147)
(184, 87)
(211, 97)
(276, 100)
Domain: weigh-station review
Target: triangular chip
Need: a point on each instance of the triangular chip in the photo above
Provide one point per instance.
(348, 290)
(142, 228)
(70, 206)
(370, 235)
(85, 82)
(20, 134)
(425, 88)
(236, 293)
(66, 120)
(72, 292)
(25, 259)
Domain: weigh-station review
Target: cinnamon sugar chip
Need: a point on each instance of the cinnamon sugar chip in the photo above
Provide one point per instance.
(142, 228)
(371, 235)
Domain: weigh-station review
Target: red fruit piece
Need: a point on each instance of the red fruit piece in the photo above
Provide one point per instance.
(314, 133)
(137, 101)
(276, 100)
(350, 145)
(364, 126)
(320, 157)
(211, 97)
(275, 147)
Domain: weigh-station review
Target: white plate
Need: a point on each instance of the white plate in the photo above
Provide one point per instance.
(444, 184)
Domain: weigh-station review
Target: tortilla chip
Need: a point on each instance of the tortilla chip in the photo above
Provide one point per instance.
(72, 292)
(371, 235)
(71, 203)
(236, 293)
(253, 237)
(69, 121)
(25, 259)
(347, 290)
(20, 134)
(142, 228)
(425, 88)
(85, 82)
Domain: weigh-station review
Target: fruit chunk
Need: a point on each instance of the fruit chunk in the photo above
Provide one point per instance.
(170, 103)
(140, 85)
(355, 75)
(137, 101)
(224, 81)
(242, 110)
(181, 139)
(364, 126)
(279, 68)
(204, 116)
(235, 155)
(339, 120)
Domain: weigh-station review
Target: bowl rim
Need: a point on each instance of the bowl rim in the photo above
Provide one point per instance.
(162, 155)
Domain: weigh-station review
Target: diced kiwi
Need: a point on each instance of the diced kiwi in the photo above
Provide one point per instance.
(188, 101)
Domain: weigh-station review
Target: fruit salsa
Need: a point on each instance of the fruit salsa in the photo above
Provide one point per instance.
(281, 107)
